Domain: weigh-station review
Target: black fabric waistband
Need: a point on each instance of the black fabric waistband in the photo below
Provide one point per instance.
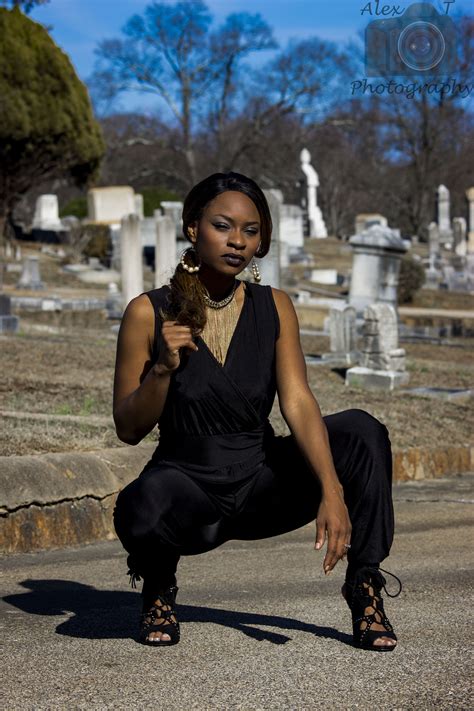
(214, 450)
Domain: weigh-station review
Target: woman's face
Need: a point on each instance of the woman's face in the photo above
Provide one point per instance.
(230, 225)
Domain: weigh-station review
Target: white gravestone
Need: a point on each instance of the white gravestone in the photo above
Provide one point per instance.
(165, 249)
(269, 266)
(131, 258)
(433, 274)
(444, 220)
(375, 266)
(470, 236)
(174, 209)
(433, 239)
(382, 363)
(138, 199)
(30, 276)
(109, 205)
(459, 236)
(148, 231)
(46, 215)
(317, 227)
(291, 226)
(324, 276)
(343, 337)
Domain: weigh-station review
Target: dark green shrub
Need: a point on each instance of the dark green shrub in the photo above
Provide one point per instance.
(77, 207)
(99, 244)
(47, 127)
(412, 278)
(152, 197)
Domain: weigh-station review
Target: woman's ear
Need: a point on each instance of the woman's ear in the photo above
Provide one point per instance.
(192, 232)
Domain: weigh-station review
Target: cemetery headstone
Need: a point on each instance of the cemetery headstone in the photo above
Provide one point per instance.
(148, 231)
(324, 276)
(8, 323)
(444, 220)
(30, 275)
(470, 237)
(131, 258)
(46, 216)
(269, 266)
(459, 236)
(343, 337)
(291, 226)
(375, 266)
(174, 209)
(165, 248)
(110, 204)
(382, 363)
(138, 198)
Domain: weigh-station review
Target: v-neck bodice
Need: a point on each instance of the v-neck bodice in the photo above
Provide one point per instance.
(207, 398)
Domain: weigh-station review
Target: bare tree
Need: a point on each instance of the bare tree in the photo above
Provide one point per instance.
(172, 53)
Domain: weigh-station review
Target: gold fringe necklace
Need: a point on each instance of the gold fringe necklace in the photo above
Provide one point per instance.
(221, 320)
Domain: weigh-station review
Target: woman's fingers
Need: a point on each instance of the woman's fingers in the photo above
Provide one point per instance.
(336, 550)
(177, 336)
(337, 547)
(320, 534)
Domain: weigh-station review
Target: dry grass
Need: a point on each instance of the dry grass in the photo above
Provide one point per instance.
(72, 374)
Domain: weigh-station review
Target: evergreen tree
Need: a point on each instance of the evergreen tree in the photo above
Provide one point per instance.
(47, 127)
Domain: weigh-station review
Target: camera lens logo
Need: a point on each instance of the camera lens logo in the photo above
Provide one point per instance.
(421, 46)
(420, 42)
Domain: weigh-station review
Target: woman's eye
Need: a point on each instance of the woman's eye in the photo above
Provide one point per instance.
(252, 232)
(220, 226)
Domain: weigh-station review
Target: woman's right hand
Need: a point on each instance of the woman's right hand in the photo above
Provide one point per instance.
(174, 336)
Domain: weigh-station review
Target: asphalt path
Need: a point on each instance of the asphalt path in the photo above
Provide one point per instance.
(261, 627)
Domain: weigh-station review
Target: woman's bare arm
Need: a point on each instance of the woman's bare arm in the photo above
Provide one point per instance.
(302, 414)
(140, 386)
(140, 389)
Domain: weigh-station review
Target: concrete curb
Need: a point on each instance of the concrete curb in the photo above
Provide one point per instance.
(65, 499)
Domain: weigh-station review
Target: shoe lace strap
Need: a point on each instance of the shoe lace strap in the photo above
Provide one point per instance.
(378, 580)
(400, 586)
(134, 577)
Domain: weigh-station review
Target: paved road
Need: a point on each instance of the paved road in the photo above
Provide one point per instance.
(261, 626)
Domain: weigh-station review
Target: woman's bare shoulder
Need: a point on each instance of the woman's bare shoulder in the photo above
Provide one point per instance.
(282, 301)
(140, 309)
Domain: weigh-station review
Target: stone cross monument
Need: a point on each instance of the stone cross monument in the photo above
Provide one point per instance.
(317, 227)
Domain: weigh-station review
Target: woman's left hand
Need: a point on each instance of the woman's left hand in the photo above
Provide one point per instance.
(333, 517)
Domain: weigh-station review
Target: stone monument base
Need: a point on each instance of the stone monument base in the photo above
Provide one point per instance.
(368, 379)
(341, 360)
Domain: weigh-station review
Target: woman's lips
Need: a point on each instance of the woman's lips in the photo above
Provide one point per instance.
(235, 261)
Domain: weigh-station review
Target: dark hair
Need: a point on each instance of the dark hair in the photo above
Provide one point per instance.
(185, 300)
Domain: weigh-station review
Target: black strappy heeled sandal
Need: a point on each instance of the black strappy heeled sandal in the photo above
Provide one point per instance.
(364, 593)
(163, 610)
(154, 611)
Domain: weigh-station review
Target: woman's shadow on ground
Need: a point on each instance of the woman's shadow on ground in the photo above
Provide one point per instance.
(111, 614)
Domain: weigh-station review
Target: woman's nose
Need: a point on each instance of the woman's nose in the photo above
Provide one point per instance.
(235, 237)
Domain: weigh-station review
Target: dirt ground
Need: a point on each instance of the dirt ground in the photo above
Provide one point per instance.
(68, 376)
(56, 384)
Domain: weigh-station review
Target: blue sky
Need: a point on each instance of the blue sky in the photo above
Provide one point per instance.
(78, 25)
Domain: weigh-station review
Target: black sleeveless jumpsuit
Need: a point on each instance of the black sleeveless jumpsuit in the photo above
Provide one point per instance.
(219, 472)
